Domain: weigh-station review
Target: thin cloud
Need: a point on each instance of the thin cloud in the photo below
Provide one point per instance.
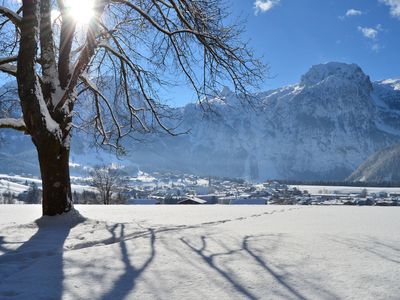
(369, 33)
(261, 6)
(376, 47)
(394, 6)
(353, 12)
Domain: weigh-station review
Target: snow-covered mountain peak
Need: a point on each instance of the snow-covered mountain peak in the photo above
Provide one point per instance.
(393, 83)
(336, 73)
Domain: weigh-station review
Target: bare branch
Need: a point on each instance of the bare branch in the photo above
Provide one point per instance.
(94, 89)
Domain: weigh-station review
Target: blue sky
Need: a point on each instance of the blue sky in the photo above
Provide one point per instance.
(293, 35)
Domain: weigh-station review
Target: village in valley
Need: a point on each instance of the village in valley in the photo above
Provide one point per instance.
(172, 188)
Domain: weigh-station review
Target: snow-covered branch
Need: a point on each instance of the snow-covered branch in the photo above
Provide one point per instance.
(6, 67)
(5, 60)
(47, 51)
(9, 69)
(11, 15)
(67, 34)
(17, 124)
(87, 53)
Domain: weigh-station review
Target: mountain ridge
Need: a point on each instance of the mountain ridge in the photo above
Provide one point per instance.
(383, 166)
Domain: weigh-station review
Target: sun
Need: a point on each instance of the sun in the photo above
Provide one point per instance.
(81, 10)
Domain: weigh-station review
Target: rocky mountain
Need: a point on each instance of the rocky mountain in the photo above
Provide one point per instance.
(322, 128)
(383, 166)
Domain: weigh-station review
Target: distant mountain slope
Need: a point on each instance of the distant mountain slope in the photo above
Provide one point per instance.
(322, 128)
(383, 166)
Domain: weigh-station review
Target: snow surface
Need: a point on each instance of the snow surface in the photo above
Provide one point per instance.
(15, 184)
(200, 252)
(7, 186)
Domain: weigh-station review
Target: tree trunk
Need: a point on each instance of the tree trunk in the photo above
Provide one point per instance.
(56, 183)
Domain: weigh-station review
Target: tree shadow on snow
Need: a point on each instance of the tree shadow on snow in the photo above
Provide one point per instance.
(286, 287)
(2, 243)
(210, 260)
(279, 278)
(126, 283)
(372, 246)
(35, 269)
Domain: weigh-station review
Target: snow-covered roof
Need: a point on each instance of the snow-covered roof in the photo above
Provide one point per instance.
(194, 199)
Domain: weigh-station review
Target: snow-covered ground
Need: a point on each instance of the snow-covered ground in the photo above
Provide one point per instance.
(9, 186)
(201, 252)
(16, 184)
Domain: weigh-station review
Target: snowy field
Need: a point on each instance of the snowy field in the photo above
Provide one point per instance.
(16, 184)
(201, 252)
(318, 189)
(9, 186)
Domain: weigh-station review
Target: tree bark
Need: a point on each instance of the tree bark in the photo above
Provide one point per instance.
(56, 183)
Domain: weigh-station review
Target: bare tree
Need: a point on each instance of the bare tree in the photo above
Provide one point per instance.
(109, 75)
(108, 181)
(32, 196)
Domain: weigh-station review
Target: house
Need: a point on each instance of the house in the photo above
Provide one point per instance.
(191, 200)
(365, 202)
